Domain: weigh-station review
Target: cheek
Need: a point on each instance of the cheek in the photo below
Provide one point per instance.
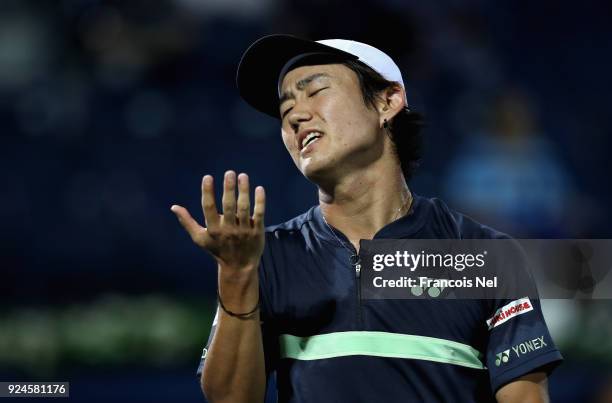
(288, 140)
(353, 121)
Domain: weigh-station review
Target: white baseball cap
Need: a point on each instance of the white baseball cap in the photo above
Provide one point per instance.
(267, 60)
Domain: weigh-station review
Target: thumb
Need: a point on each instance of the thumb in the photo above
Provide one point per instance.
(189, 224)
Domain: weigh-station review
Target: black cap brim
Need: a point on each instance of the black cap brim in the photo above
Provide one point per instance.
(261, 65)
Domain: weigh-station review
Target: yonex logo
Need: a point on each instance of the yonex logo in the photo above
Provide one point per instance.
(529, 346)
(520, 349)
(420, 290)
(502, 358)
(433, 292)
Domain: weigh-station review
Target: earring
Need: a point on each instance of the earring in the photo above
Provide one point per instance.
(385, 124)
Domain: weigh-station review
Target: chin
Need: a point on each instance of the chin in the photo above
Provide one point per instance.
(315, 171)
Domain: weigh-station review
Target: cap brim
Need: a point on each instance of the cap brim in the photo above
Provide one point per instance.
(261, 65)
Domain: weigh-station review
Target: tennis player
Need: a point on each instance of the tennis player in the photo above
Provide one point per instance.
(289, 301)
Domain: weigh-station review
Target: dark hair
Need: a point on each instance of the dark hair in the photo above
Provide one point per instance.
(404, 128)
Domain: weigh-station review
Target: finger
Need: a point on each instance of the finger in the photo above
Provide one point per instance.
(209, 207)
(189, 224)
(260, 207)
(244, 203)
(229, 198)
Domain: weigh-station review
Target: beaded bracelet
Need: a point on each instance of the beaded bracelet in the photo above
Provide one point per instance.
(234, 314)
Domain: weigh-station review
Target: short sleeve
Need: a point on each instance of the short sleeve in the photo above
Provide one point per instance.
(519, 341)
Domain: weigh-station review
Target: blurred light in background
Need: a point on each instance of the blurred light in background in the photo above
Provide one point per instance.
(110, 331)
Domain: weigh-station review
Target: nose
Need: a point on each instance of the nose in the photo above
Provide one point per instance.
(298, 115)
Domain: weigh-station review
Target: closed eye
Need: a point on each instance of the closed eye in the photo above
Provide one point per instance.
(317, 91)
(312, 94)
(286, 112)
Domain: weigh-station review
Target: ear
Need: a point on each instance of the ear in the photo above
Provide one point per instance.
(391, 101)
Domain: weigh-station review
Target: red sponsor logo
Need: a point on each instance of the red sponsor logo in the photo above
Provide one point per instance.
(506, 312)
(509, 312)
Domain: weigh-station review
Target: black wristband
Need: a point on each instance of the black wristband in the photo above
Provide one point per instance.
(234, 314)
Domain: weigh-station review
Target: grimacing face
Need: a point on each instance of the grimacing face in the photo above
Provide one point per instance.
(326, 127)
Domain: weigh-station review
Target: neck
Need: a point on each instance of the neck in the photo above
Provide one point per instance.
(361, 203)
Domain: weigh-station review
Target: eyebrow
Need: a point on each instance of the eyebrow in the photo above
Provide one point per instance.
(301, 85)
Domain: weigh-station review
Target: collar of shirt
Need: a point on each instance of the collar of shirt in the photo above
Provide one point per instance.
(404, 227)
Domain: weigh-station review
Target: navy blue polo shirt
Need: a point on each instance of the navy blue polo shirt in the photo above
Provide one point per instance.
(325, 344)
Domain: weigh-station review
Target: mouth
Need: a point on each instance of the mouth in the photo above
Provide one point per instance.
(308, 137)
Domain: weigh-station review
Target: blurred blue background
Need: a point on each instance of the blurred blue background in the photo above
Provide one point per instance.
(111, 111)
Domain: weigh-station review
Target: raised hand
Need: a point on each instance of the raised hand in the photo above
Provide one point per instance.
(234, 238)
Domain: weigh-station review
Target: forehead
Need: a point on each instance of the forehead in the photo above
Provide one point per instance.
(332, 72)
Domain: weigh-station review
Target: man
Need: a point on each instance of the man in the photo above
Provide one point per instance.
(288, 295)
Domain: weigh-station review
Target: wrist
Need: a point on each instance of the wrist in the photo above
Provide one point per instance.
(239, 289)
(243, 275)
(240, 315)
